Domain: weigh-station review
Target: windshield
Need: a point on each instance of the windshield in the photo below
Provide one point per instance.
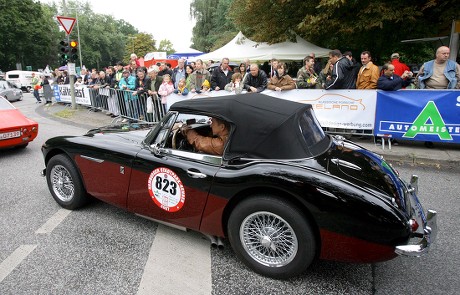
(5, 105)
(311, 129)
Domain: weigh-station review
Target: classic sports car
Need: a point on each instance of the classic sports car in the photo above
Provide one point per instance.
(284, 193)
(15, 129)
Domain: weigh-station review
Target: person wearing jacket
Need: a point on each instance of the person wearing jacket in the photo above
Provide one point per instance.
(256, 80)
(440, 73)
(341, 77)
(206, 144)
(282, 81)
(221, 76)
(127, 84)
(390, 81)
(368, 74)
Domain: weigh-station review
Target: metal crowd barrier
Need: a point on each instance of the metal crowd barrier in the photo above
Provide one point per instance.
(124, 105)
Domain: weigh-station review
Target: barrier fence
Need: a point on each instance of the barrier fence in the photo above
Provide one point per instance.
(420, 115)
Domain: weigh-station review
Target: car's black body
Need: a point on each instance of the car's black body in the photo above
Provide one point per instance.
(283, 192)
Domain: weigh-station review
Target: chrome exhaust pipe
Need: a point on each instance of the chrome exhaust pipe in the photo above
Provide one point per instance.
(213, 240)
(220, 243)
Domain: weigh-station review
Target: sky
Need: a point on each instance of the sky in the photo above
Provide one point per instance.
(164, 19)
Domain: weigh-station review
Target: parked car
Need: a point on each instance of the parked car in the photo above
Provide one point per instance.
(10, 91)
(284, 193)
(16, 130)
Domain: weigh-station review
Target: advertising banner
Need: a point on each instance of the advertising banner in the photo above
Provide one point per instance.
(62, 94)
(345, 109)
(422, 115)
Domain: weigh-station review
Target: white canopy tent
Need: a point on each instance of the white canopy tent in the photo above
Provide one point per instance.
(240, 48)
(237, 49)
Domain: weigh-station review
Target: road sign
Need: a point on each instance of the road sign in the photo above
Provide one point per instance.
(67, 23)
(71, 68)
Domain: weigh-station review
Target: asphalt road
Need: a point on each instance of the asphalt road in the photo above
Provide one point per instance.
(101, 249)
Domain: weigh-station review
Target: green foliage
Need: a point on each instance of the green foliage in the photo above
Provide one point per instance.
(30, 35)
(140, 44)
(167, 46)
(27, 34)
(213, 27)
(377, 25)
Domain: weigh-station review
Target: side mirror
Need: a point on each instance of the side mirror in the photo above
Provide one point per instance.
(157, 150)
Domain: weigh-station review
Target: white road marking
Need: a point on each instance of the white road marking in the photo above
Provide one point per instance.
(15, 258)
(53, 222)
(178, 263)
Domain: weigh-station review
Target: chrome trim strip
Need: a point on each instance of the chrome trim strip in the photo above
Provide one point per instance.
(92, 159)
(196, 156)
(345, 164)
(163, 222)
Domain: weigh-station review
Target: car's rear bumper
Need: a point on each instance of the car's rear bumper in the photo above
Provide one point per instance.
(429, 236)
(424, 236)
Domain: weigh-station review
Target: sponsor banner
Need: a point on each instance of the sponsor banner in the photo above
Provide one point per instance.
(421, 115)
(62, 94)
(346, 109)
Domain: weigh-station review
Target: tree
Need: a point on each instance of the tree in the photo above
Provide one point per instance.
(167, 46)
(140, 44)
(28, 35)
(377, 25)
(213, 27)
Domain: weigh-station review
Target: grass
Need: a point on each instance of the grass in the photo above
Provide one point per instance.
(66, 113)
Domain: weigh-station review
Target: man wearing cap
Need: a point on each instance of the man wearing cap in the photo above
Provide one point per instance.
(400, 67)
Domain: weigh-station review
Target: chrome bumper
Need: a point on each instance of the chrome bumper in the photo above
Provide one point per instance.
(428, 220)
(430, 231)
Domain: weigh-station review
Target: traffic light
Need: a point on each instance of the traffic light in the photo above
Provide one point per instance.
(73, 50)
(65, 50)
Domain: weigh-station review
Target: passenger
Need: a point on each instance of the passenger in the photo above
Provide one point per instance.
(214, 144)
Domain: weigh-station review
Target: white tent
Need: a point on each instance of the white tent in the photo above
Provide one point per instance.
(237, 49)
(292, 50)
(240, 48)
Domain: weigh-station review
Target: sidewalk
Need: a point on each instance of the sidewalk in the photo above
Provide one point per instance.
(441, 155)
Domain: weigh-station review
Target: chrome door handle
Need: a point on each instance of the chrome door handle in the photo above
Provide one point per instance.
(194, 174)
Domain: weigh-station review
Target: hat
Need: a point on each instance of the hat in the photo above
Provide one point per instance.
(153, 68)
(206, 84)
(395, 55)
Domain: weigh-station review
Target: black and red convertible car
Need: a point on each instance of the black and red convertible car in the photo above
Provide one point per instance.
(284, 193)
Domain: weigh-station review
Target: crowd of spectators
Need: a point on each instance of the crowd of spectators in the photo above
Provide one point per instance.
(341, 71)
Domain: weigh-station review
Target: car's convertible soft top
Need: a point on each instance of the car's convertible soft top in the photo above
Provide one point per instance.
(262, 126)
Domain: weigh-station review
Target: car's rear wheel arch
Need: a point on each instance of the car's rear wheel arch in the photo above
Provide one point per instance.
(275, 193)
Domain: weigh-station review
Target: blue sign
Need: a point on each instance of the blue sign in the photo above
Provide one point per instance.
(419, 115)
(57, 93)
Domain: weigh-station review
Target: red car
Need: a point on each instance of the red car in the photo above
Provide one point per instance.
(15, 129)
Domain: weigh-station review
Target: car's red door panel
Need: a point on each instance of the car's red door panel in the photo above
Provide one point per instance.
(181, 184)
(105, 179)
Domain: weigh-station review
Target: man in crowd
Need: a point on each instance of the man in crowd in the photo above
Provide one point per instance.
(178, 72)
(221, 76)
(341, 77)
(355, 66)
(306, 76)
(392, 82)
(256, 80)
(368, 74)
(274, 68)
(198, 76)
(440, 73)
(400, 67)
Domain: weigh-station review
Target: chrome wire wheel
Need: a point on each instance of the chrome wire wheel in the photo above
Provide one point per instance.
(268, 239)
(62, 183)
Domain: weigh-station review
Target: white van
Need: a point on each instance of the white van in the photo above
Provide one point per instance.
(22, 79)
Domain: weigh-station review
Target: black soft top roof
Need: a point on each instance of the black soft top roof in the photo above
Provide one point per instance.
(262, 126)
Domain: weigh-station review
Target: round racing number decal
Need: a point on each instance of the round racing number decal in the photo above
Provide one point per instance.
(166, 189)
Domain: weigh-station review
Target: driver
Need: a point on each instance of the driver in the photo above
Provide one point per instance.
(213, 145)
